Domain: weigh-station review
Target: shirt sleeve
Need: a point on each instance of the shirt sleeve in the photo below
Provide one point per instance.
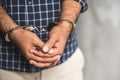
(84, 5)
(0, 2)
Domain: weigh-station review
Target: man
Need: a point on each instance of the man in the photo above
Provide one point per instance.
(25, 50)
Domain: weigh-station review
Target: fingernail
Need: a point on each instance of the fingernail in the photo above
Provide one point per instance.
(31, 51)
(31, 62)
(45, 49)
(51, 51)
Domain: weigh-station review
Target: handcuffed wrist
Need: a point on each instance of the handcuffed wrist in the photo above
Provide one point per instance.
(6, 37)
(51, 25)
(68, 21)
(26, 27)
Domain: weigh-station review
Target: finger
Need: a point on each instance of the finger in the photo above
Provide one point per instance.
(59, 47)
(38, 44)
(51, 51)
(58, 50)
(50, 43)
(38, 64)
(54, 63)
(40, 53)
(44, 60)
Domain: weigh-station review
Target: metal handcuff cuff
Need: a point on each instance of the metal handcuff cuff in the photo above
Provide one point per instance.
(45, 29)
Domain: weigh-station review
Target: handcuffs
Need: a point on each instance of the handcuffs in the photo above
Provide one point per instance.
(44, 29)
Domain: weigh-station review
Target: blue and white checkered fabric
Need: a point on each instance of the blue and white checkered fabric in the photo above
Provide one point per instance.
(38, 13)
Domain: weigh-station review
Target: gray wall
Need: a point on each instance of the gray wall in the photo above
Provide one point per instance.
(98, 32)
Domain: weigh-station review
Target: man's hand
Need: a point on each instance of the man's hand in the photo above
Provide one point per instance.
(27, 40)
(57, 41)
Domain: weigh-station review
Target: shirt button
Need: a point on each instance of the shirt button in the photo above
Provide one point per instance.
(29, 2)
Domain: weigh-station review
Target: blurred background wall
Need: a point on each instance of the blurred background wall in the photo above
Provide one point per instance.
(98, 32)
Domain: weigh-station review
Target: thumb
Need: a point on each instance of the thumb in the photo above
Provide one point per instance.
(49, 44)
(39, 44)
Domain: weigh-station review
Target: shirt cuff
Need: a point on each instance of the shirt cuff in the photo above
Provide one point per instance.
(83, 4)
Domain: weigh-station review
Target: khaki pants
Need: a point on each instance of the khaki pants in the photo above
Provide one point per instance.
(69, 70)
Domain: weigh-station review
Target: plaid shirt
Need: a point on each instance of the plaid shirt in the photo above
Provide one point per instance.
(38, 13)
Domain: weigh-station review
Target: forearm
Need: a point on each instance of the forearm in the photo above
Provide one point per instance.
(70, 10)
(6, 23)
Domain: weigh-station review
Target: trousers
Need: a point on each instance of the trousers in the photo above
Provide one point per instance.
(71, 69)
